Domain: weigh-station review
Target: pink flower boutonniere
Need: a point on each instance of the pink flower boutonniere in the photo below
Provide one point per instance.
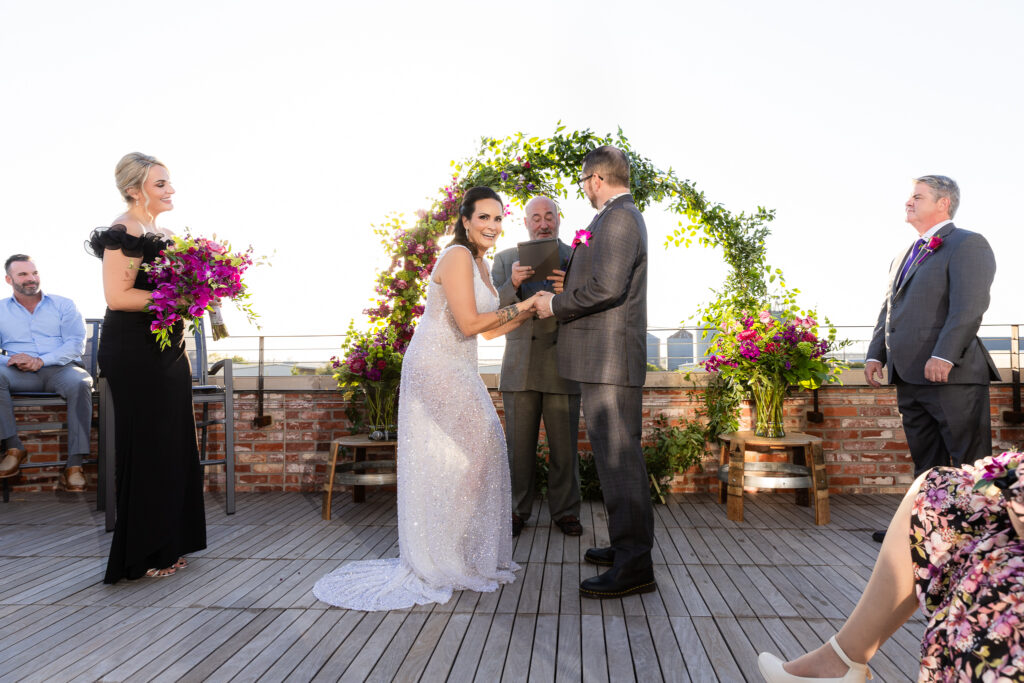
(582, 237)
(933, 243)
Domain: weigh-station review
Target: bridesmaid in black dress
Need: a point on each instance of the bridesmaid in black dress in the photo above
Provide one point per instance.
(160, 514)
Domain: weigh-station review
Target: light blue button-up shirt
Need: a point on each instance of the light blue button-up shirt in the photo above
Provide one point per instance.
(54, 332)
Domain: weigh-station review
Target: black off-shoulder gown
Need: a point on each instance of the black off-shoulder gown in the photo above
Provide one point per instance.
(160, 514)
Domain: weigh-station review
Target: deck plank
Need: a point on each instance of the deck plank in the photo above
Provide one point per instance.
(594, 656)
(495, 649)
(471, 649)
(520, 648)
(442, 654)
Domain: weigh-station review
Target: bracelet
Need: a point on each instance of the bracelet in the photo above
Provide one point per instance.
(507, 314)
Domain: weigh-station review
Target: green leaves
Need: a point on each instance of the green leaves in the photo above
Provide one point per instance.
(673, 448)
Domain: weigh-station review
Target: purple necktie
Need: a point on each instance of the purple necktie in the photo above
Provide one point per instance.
(914, 251)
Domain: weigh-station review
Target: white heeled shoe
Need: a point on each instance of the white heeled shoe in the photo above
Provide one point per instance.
(771, 668)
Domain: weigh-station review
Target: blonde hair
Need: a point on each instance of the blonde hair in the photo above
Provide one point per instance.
(131, 172)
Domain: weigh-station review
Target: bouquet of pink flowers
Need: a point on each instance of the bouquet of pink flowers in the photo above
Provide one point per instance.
(372, 363)
(374, 356)
(765, 347)
(190, 277)
(766, 355)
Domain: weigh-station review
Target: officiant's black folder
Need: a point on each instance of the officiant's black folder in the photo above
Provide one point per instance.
(541, 255)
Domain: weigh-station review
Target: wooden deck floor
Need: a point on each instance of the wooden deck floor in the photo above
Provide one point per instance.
(244, 609)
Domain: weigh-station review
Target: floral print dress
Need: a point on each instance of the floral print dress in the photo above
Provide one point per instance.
(969, 573)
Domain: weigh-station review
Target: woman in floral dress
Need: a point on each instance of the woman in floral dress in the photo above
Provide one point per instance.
(965, 570)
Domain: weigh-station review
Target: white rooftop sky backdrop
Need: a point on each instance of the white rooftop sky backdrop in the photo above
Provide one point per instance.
(297, 126)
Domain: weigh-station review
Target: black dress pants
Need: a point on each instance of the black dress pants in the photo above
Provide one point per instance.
(613, 417)
(946, 424)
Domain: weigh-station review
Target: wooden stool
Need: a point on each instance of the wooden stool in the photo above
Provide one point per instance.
(354, 473)
(805, 471)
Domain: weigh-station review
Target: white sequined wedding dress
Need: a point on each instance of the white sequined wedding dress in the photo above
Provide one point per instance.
(454, 491)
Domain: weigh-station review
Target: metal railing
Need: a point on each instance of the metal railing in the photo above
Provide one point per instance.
(669, 348)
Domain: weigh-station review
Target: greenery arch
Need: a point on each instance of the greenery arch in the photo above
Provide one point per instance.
(522, 167)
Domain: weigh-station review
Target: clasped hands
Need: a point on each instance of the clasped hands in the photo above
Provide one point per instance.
(25, 362)
(539, 305)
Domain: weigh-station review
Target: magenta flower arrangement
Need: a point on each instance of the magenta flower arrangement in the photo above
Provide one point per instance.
(190, 276)
(372, 362)
(767, 354)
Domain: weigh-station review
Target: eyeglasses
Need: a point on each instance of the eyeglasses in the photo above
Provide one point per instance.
(586, 178)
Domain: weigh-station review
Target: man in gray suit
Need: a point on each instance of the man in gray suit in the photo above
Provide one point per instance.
(603, 314)
(531, 387)
(926, 334)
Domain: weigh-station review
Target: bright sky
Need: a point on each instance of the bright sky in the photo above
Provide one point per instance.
(297, 126)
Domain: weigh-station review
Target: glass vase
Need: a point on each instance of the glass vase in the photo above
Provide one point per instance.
(768, 399)
(381, 400)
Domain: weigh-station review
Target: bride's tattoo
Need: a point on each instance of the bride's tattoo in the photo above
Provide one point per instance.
(507, 314)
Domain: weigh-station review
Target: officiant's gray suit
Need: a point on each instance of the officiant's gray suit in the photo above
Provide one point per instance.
(936, 311)
(531, 387)
(602, 344)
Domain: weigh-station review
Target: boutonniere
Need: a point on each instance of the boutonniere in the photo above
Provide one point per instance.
(933, 243)
(582, 237)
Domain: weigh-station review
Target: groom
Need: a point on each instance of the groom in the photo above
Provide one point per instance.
(603, 314)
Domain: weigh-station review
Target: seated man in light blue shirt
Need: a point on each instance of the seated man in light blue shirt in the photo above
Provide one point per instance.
(43, 336)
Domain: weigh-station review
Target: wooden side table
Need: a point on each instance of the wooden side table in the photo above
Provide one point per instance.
(354, 473)
(805, 473)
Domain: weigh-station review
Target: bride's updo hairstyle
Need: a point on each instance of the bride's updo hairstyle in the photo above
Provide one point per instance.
(131, 172)
(469, 200)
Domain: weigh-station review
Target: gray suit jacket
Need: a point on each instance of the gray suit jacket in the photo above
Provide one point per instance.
(603, 308)
(530, 362)
(937, 310)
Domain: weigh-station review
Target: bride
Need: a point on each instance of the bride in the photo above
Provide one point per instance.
(454, 494)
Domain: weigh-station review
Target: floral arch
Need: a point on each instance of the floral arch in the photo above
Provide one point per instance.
(521, 167)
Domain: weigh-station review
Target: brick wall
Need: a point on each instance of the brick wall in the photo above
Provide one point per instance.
(48, 446)
(865, 448)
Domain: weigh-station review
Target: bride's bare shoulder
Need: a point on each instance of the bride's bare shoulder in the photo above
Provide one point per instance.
(453, 258)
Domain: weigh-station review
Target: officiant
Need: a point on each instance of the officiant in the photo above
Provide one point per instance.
(531, 387)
